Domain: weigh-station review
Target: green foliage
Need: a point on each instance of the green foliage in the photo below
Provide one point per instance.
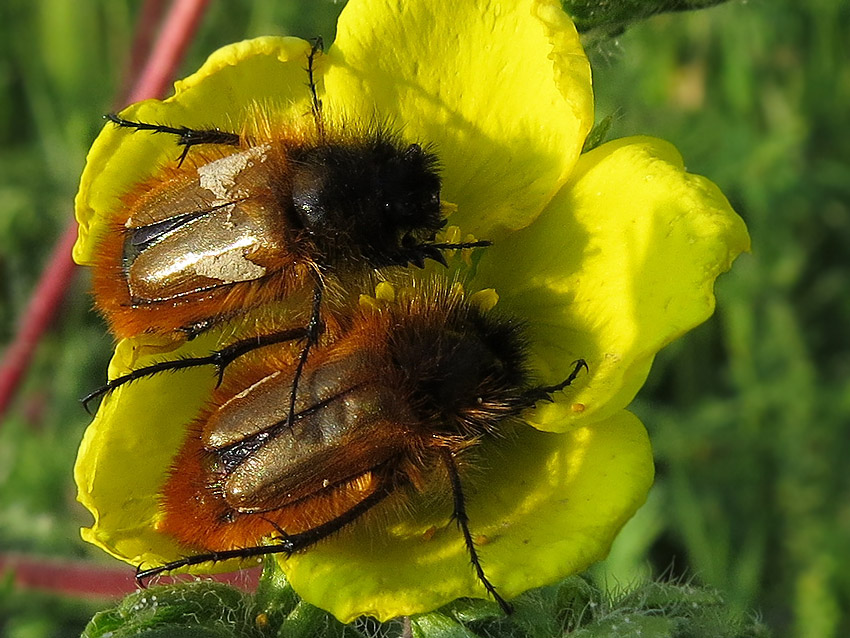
(22, 613)
(574, 607)
(613, 16)
(748, 415)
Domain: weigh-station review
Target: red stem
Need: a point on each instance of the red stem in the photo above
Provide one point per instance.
(38, 315)
(77, 578)
(147, 25)
(176, 34)
(180, 25)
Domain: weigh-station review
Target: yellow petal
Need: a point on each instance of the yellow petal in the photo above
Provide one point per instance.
(126, 452)
(622, 262)
(501, 90)
(547, 505)
(226, 92)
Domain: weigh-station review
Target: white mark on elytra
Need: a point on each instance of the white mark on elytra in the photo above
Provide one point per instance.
(219, 176)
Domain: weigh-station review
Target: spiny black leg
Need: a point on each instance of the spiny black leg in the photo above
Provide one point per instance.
(462, 520)
(187, 137)
(218, 358)
(544, 393)
(289, 543)
(318, 45)
(314, 329)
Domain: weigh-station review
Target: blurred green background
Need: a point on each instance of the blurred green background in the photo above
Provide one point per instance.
(749, 415)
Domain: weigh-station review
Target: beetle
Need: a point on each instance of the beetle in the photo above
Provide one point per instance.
(249, 219)
(392, 401)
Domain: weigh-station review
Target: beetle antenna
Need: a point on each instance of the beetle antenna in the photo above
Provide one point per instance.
(544, 393)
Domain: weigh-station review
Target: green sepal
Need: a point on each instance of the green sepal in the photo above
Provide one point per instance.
(200, 609)
(598, 134)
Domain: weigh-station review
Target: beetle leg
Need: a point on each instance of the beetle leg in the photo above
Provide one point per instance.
(288, 544)
(219, 358)
(316, 103)
(313, 331)
(186, 137)
(462, 519)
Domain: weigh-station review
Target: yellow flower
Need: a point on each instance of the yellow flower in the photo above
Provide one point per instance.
(607, 256)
